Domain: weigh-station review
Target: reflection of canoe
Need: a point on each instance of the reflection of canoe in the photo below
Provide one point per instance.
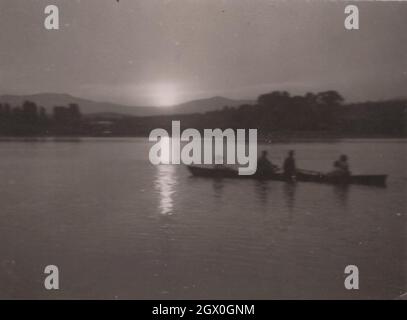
(224, 172)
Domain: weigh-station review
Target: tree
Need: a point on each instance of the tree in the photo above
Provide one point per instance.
(272, 98)
(30, 112)
(329, 98)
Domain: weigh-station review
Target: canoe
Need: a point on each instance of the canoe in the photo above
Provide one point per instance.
(302, 176)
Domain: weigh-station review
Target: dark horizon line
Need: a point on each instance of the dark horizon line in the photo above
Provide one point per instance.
(251, 100)
(126, 104)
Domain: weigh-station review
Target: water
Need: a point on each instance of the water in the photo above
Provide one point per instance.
(119, 227)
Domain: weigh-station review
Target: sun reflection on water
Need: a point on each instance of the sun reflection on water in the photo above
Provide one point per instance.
(165, 184)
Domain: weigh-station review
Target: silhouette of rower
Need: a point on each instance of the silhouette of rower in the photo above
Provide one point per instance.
(264, 165)
(289, 166)
(341, 167)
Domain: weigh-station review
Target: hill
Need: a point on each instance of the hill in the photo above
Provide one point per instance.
(49, 100)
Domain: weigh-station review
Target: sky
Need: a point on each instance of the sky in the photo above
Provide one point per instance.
(163, 52)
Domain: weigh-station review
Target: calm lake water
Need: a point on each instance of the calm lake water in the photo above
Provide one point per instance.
(119, 227)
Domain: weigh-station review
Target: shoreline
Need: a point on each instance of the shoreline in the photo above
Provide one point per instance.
(262, 140)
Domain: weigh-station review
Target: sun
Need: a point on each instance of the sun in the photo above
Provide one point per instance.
(165, 94)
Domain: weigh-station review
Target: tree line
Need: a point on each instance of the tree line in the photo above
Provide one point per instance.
(275, 113)
(32, 120)
(280, 114)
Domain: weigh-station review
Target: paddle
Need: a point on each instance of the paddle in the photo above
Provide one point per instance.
(310, 171)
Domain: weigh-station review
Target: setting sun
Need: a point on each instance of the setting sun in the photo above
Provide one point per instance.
(164, 94)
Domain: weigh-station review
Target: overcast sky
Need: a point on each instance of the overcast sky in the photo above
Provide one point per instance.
(149, 52)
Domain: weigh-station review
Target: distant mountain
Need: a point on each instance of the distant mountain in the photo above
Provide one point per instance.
(205, 105)
(49, 100)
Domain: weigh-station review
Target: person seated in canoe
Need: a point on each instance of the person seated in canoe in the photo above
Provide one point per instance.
(341, 167)
(264, 165)
(289, 166)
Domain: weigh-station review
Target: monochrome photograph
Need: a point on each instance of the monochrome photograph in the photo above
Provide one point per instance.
(203, 150)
